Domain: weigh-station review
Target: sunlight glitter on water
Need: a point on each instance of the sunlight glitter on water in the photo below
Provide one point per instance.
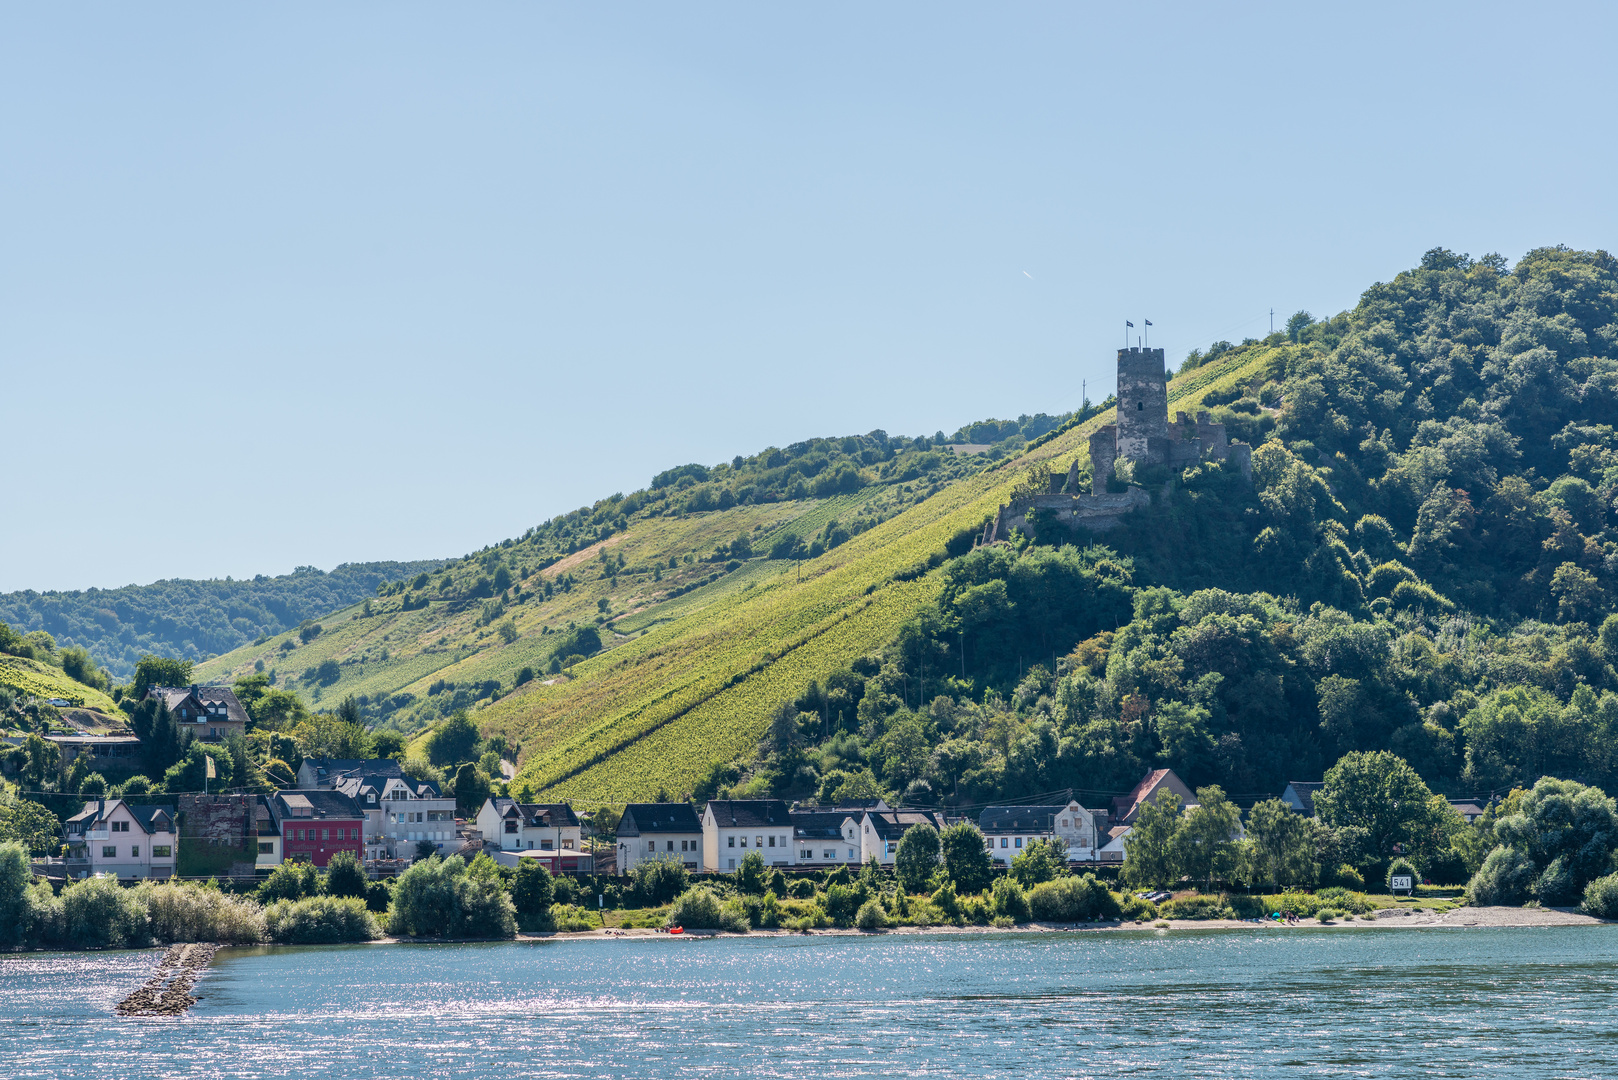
(1215, 1004)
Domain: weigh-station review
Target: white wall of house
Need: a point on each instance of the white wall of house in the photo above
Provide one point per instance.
(404, 819)
(723, 849)
(121, 845)
(687, 847)
(1074, 826)
(492, 825)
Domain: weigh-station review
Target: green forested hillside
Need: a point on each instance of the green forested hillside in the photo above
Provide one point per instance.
(1426, 562)
(192, 619)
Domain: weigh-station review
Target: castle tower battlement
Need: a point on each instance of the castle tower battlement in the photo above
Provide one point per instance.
(1143, 404)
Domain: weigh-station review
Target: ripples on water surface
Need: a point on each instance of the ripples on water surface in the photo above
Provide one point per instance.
(1263, 1003)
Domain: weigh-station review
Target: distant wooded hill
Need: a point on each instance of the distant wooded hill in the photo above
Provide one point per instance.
(194, 619)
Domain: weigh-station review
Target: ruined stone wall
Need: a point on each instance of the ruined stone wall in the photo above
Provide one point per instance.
(1143, 403)
(217, 819)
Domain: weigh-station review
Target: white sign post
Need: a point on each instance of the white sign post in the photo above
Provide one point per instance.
(1402, 881)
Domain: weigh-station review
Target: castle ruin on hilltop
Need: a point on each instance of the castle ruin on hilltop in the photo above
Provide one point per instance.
(1142, 435)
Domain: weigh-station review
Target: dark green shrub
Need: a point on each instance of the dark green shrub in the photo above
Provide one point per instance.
(1505, 877)
(320, 920)
(1072, 899)
(871, 916)
(1601, 897)
(345, 876)
(695, 909)
(1009, 900)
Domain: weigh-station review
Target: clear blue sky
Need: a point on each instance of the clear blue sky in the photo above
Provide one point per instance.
(303, 284)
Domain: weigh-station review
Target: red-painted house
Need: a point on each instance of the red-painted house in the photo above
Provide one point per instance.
(315, 825)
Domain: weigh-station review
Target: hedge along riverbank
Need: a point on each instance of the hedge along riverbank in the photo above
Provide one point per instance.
(436, 897)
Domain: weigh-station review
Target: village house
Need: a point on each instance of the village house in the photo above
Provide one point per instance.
(111, 836)
(211, 713)
(1125, 808)
(1300, 796)
(1007, 830)
(509, 825)
(880, 831)
(825, 836)
(315, 825)
(733, 827)
(400, 814)
(659, 831)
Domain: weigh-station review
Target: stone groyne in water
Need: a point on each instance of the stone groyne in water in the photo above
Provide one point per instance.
(168, 991)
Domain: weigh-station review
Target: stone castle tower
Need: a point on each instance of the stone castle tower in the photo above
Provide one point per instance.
(1143, 434)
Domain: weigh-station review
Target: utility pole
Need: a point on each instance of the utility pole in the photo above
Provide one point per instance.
(1272, 320)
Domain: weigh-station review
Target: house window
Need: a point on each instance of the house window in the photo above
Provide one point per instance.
(732, 843)
(511, 826)
(732, 864)
(530, 845)
(829, 856)
(163, 851)
(134, 851)
(851, 854)
(892, 847)
(1064, 823)
(806, 854)
(758, 841)
(325, 834)
(772, 841)
(783, 841)
(109, 852)
(744, 841)
(651, 845)
(671, 845)
(1019, 841)
(682, 844)
(1004, 842)
(120, 826)
(263, 849)
(544, 845)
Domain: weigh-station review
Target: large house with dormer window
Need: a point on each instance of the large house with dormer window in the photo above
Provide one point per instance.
(1008, 830)
(401, 814)
(513, 826)
(111, 836)
(208, 712)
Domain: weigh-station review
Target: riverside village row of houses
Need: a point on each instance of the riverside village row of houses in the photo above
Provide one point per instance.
(386, 819)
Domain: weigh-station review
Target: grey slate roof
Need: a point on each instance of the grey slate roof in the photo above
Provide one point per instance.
(327, 805)
(642, 819)
(749, 813)
(174, 696)
(329, 770)
(820, 824)
(145, 813)
(893, 824)
(357, 787)
(994, 820)
(1305, 790)
(560, 813)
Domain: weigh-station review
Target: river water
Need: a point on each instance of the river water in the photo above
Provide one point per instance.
(1461, 1002)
